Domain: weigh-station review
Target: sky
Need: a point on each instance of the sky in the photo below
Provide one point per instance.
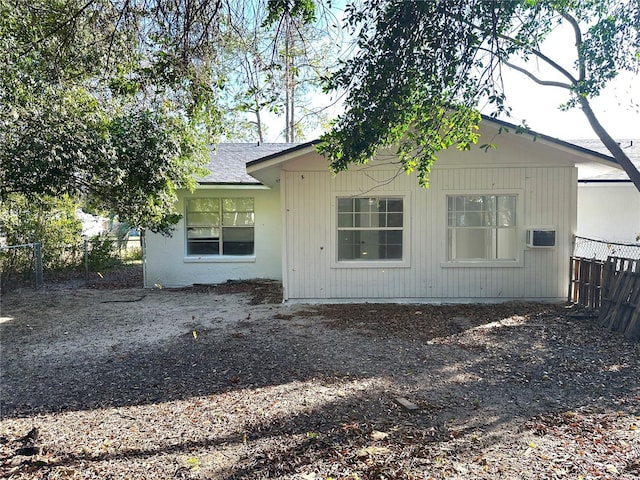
(617, 108)
(538, 105)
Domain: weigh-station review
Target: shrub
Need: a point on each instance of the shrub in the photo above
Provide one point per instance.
(103, 252)
(49, 220)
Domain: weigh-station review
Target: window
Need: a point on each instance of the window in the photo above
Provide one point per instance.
(220, 226)
(370, 228)
(482, 227)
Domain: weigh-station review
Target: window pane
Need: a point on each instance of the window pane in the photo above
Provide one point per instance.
(237, 219)
(345, 220)
(203, 248)
(345, 205)
(394, 237)
(369, 242)
(468, 244)
(362, 220)
(237, 241)
(202, 232)
(360, 204)
(507, 243)
(203, 205)
(370, 219)
(237, 204)
(346, 245)
(482, 243)
(203, 218)
(507, 202)
(370, 245)
(394, 252)
(473, 204)
(483, 227)
(394, 205)
(204, 235)
(489, 203)
(507, 211)
(394, 220)
(471, 219)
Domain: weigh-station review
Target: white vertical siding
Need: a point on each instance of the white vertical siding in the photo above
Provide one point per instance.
(546, 197)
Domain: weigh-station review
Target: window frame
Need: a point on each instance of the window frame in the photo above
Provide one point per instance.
(517, 228)
(403, 262)
(219, 257)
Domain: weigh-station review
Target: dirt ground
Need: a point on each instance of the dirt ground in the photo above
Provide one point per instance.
(226, 383)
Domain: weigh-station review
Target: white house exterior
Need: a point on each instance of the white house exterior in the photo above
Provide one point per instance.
(373, 234)
(608, 202)
(174, 261)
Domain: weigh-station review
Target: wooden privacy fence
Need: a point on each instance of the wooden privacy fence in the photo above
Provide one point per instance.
(620, 304)
(612, 287)
(585, 286)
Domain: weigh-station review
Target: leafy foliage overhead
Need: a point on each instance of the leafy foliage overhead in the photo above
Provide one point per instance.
(272, 65)
(423, 67)
(115, 100)
(111, 100)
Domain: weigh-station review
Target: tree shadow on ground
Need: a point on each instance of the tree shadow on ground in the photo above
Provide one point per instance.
(504, 367)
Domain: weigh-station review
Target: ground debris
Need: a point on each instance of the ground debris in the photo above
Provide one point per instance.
(406, 404)
(225, 382)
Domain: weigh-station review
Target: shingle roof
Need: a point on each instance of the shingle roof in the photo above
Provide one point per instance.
(630, 146)
(227, 161)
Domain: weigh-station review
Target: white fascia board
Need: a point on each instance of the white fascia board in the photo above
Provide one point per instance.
(226, 186)
(278, 160)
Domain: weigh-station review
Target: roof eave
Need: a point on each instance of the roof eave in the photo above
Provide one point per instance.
(557, 143)
(267, 169)
(279, 156)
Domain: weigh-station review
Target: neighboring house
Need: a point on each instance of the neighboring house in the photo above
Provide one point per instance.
(494, 225)
(608, 202)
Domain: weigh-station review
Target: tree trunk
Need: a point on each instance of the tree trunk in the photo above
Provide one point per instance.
(611, 144)
(259, 126)
(289, 81)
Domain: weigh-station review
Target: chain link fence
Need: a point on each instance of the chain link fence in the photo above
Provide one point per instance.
(601, 250)
(86, 260)
(22, 264)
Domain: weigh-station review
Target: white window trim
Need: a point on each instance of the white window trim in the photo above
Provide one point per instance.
(380, 264)
(219, 259)
(483, 263)
(213, 258)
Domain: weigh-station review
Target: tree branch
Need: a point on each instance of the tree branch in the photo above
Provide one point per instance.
(610, 143)
(542, 57)
(62, 24)
(578, 33)
(546, 83)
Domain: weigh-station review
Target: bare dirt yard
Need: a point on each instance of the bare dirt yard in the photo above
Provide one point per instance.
(225, 382)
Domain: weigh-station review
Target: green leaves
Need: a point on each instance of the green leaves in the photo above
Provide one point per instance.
(304, 10)
(422, 68)
(410, 85)
(109, 101)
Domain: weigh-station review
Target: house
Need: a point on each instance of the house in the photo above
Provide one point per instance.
(608, 202)
(230, 229)
(494, 225)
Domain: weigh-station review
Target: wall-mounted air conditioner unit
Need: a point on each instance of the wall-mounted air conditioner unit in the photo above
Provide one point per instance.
(541, 237)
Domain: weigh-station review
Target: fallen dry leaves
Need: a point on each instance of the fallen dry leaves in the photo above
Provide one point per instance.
(248, 388)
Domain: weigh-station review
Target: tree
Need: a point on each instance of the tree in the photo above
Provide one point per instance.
(271, 65)
(115, 101)
(109, 100)
(423, 67)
